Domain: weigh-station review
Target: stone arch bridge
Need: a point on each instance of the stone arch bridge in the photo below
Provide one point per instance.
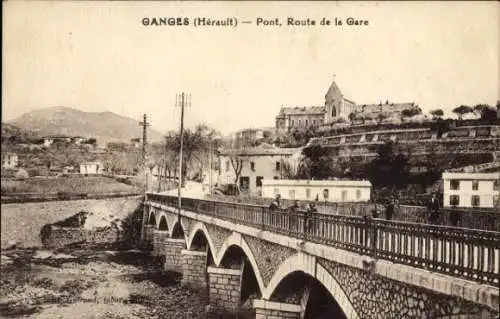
(282, 265)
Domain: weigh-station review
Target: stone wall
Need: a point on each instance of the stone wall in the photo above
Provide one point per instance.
(224, 288)
(58, 237)
(106, 235)
(159, 242)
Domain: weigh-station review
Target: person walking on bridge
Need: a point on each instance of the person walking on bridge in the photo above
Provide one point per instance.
(433, 209)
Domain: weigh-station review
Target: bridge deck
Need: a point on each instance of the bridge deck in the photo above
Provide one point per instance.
(461, 252)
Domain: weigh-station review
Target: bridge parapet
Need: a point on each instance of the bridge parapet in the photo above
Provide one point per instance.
(459, 252)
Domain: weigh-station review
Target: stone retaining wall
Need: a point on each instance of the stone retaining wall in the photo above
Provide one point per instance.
(57, 237)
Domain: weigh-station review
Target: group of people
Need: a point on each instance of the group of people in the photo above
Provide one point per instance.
(293, 217)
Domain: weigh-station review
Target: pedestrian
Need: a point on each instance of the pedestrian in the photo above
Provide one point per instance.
(275, 204)
(433, 209)
(389, 208)
(292, 215)
(274, 208)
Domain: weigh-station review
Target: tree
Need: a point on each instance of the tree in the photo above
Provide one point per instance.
(437, 113)
(237, 165)
(461, 110)
(388, 168)
(487, 113)
(352, 117)
(317, 163)
(411, 112)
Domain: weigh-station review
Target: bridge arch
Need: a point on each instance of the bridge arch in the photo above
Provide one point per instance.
(177, 231)
(200, 227)
(307, 265)
(152, 218)
(235, 239)
(162, 224)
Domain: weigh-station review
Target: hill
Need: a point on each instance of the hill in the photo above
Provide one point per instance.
(104, 126)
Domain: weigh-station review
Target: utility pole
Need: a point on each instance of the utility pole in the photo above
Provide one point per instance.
(210, 165)
(144, 125)
(182, 100)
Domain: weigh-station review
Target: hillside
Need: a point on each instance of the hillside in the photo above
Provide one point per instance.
(104, 126)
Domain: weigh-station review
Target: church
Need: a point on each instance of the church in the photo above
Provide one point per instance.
(336, 106)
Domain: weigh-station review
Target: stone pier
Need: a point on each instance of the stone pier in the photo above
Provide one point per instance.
(194, 268)
(265, 309)
(224, 289)
(158, 242)
(173, 257)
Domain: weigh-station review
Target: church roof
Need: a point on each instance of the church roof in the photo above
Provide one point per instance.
(302, 110)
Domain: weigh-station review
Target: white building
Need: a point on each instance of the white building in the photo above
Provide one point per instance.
(323, 190)
(254, 165)
(9, 160)
(471, 189)
(91, 168)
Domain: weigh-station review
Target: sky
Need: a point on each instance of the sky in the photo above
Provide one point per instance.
(100, 57)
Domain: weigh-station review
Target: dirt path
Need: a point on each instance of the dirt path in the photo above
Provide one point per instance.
(80, 283)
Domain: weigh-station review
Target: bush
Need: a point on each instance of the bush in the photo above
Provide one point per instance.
(21, 174)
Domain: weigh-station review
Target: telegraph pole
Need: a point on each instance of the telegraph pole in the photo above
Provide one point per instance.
(182, 100)
(144, 125)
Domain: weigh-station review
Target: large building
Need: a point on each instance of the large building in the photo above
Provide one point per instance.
(337, 106)
(471, 190)
(249, 166)
(299, 117)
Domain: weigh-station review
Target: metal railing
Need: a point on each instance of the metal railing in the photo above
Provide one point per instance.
(461, 252)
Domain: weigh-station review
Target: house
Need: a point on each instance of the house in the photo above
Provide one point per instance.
(249, 166)
(91, 168)
(471, 189)
(323, 190)
(9, 160)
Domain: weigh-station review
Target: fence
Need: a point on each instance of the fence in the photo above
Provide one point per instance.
(467, 253)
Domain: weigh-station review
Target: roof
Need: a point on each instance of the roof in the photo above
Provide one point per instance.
(262, 149)
(480, 176)
(299, 110)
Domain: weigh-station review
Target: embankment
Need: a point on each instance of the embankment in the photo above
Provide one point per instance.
(22, 223)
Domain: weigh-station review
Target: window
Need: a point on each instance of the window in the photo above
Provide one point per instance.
(291, 194)
(293, 122)
(344, 195)
(474, 200)
(454, 200)
(276, 177)
(358, 194)
(495, 185)
(496, 201)
(307, 122)
(326, 193)
(278, 166)
(314, 122)
(308, 193)
(258, 181)
(227, 166)
(475, 185)
(252, 166)
(300, 122)
(454, 184)
(244, 182)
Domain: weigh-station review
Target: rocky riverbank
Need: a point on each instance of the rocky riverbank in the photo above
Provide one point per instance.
(87, 283)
